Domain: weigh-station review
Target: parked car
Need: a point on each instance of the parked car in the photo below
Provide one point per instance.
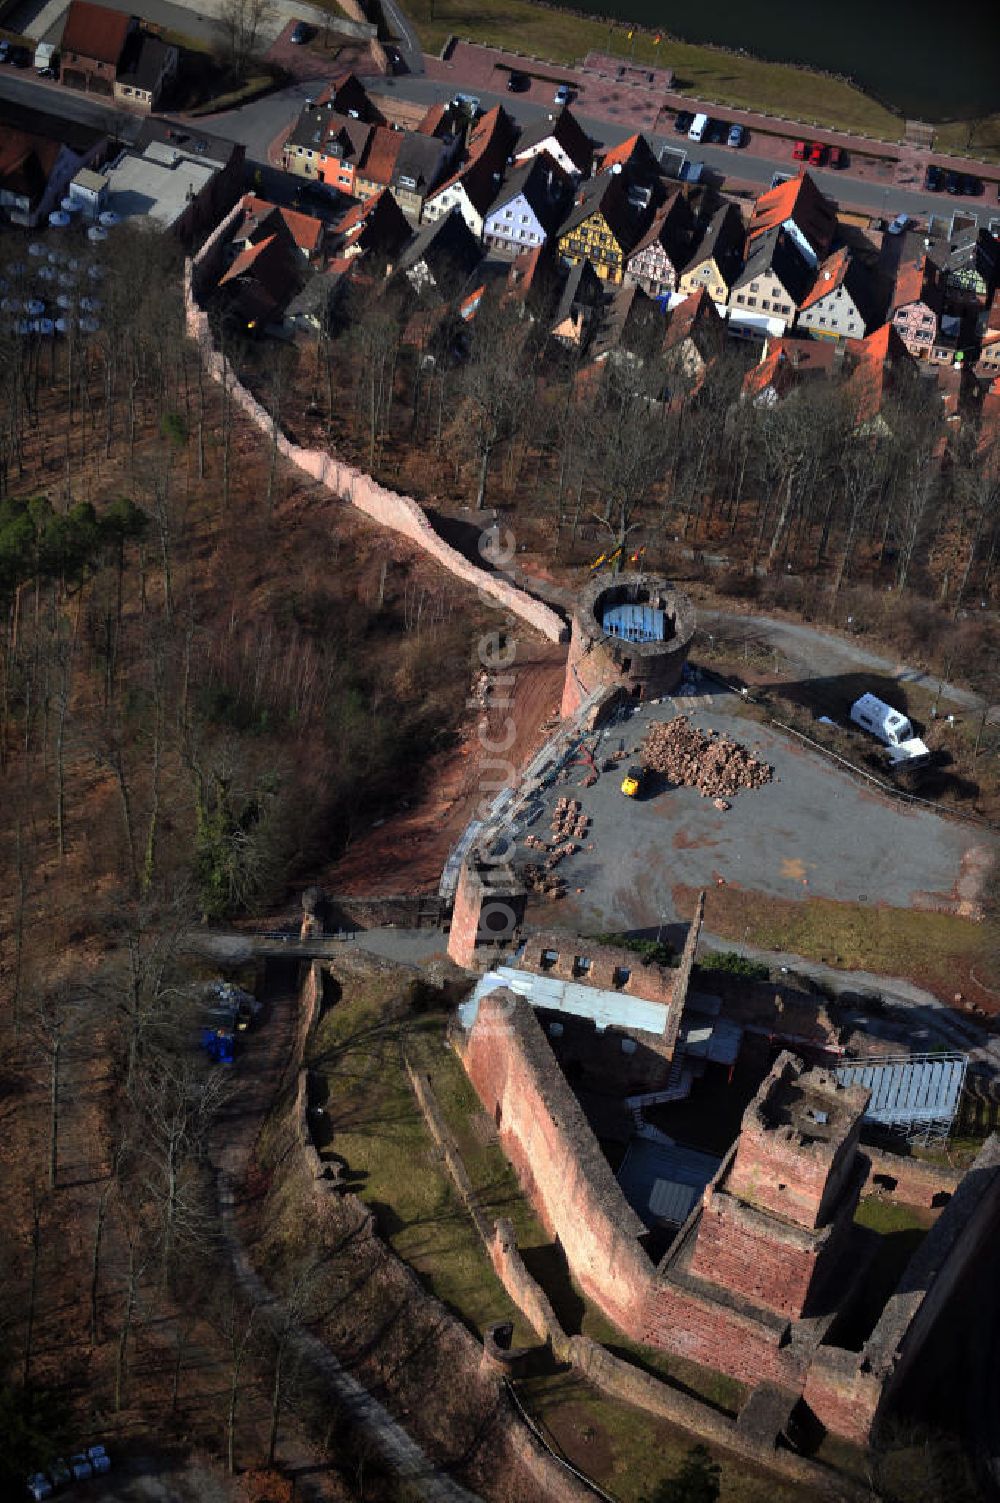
(19, 56)
(800, 151)
(817, 154)
(563, 94)
(4, 49)
(972, 185)
(838, 157)
(682, 122)
(737, 136)
(517, 82)
(953, 183)
(39, 1487)
(300, 33)
(933, 179)
(899, 224)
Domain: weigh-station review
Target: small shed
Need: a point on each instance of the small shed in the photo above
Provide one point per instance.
(89, 191)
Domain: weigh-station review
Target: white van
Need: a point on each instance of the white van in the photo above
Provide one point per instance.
(699, 125)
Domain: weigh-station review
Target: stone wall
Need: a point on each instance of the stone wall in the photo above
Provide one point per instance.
(399, 513)
(910, 1182)
(549, 1143)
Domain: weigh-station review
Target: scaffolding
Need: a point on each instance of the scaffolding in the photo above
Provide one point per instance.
(915, 1095)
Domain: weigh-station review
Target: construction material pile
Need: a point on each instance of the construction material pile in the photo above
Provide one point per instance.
(543, 880)
(711, 762)
(568, 819)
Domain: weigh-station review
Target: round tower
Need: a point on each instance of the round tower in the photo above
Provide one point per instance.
(633, 633)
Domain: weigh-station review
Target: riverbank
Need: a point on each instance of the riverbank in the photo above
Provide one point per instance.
(730, 79)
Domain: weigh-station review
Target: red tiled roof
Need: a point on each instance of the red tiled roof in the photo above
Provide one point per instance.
(246, 259)
(485, 158)
(379, 160)
(797, 199)
(429, 124)
(871, 376)
(94, 31)
(687, 315)
(787, 361)
(881, 345)
(829, 277)
(25, 162)
(915, 283)
(304, 229)
(617, 156)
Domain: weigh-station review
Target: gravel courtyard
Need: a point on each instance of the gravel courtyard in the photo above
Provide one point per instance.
(812, 832)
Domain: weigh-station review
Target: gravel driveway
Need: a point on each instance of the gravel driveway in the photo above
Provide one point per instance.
(812, 832)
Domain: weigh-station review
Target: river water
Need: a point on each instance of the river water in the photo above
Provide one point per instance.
(928, 62)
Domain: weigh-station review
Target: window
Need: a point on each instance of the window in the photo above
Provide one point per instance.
(581, 965)
(548, 959)
(754, 286)
(764, 303)
(751, 302)
(822, 318)
(621, 975)
(628, 1046)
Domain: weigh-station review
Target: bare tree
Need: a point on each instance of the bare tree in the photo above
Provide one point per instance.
(242, 23)
(498, 384)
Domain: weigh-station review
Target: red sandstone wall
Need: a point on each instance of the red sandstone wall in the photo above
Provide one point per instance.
(780, 1175)
(400, 513)
(464, 920)
(730, 1251)
(676, 1320)
(598, 1232)
(916, 1183)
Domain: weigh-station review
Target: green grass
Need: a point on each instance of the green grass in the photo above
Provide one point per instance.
(974, 138)
(704, 72)
(629, 1452)
(886, 1216)
(375, 1126)
(936, 950)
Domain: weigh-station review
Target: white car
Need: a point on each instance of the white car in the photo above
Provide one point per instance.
(563, 94)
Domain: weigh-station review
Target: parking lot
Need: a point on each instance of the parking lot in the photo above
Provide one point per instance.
(811, 832)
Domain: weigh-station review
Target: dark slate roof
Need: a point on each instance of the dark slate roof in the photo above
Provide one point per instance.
(607, 194)
(444, 242)
(777, 252)
(420, 158)
(191, 140)
(723, 240)
(582, 286)
(143, 61)
(532, 178)
(566, 130)
(322, 127)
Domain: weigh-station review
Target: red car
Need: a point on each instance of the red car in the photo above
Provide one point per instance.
(799, 151)
(836, 156)
(817, 155)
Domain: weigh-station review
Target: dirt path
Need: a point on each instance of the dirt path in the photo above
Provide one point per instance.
(823, 654)
(265, 1062)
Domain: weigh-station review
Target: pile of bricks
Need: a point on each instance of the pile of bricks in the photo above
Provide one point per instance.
(568, 820)
(713, 763)
(542, 879)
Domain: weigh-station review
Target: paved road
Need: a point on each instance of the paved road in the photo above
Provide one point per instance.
(257, 124)
(820, 654)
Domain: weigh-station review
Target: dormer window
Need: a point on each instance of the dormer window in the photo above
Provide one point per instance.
(582, 965)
